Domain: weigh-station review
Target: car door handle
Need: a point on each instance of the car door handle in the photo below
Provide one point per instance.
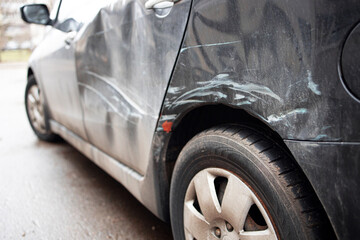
(159, 4)
(70, 37)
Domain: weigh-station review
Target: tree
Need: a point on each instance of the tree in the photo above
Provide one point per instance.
(9, 16)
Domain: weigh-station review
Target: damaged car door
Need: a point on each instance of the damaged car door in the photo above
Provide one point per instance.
(124, 58)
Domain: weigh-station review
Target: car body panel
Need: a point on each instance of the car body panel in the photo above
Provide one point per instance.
(125, 58)
(278, 61)
(158, 38)
(99, 86)
(57, 74)
(333, 169)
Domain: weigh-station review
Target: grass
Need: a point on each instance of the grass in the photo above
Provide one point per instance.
(14, 55)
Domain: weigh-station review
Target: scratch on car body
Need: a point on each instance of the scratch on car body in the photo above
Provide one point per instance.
(246, 92)
(209, 45)
(276, 118)
(311, 85)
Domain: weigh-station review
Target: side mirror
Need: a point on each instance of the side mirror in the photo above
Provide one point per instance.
(36, 13)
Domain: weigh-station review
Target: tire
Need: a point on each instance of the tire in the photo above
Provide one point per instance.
(36, 112)
(232, 182)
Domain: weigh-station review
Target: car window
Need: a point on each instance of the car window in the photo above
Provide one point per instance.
(80, 10)
(54, 9)
(72, 14)
(70, 9)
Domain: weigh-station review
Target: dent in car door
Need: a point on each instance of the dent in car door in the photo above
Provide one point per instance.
(124, 60)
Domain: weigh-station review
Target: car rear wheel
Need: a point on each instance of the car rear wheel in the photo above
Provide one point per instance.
(233, 182)
(35, 110)
(224, 202)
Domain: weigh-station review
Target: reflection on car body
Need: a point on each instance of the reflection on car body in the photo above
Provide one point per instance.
(196, 101)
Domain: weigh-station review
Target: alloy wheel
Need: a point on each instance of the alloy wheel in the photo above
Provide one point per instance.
(219, 205)
(36, 109)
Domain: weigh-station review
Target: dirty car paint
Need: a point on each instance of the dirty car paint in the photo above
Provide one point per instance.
(125, 57)
(278, 61)
(272, 60)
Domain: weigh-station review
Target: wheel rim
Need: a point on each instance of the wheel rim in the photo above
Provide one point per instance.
(219, 205)
(35, 109)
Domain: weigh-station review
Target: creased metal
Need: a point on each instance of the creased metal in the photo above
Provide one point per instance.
(276, 60)
(125, 57)
(290, 50)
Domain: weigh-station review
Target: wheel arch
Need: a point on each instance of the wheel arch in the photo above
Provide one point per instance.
(200, 118)
(30, 72)
(197, 119)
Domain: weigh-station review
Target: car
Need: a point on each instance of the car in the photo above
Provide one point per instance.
(231, 119)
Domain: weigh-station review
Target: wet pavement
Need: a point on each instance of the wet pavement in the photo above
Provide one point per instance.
(51, 191)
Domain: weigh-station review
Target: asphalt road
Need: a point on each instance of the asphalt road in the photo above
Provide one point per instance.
(51, 191)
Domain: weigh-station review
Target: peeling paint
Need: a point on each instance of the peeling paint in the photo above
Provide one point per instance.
(325, 128)
(239, 96)
(175, 90)
(311, 85)
(183, 102)
(243, 103)
(320, 136)
(247, 92)
(276, 118)
(167, 117)
(225, 81)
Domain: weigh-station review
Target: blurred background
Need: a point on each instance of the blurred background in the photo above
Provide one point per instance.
(17, 39)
